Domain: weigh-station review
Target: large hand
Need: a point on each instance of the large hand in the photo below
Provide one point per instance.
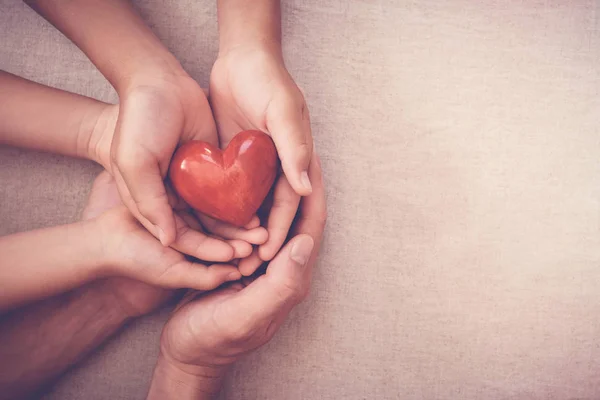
(206, 335)
(250, 88)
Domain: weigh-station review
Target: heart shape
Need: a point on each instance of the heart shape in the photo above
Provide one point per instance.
(228, 185)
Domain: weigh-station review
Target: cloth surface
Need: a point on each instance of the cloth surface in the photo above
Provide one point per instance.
(460, 143)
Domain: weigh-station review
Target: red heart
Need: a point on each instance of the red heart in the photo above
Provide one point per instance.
(228, 185)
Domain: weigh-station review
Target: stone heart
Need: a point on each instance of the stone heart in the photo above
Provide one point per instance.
(228, 185)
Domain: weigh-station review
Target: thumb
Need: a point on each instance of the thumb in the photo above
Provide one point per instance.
(279, 290)
(288, 123)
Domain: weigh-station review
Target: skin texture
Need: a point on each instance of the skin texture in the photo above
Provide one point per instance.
(228, 185)
(160, 105)
(111, 244)
(209, 332)
(251, 88)
(48, 119)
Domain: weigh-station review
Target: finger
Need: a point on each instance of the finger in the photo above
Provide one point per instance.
(281, 216)
(313, 213)
(250, 264)
(143, 180)
(130, 203)
(199, 245)
(254, 223)
(186, 274)
(257, 235)
(266, 301)
(275, 293)
(313, 208)
(241, 248)
(288, 123)
(190, 219)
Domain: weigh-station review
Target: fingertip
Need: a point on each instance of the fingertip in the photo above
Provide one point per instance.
(234, 276)
(254, 223)
(258, 235)
(301, 249)
(219, 251)
(267, 251)
(241, 248)
(250, 264)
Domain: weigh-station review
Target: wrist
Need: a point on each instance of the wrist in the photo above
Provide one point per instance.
(92, 231)
(173, 380)
(249, 23)
(147, 71)
(263, 44)
(97, 133)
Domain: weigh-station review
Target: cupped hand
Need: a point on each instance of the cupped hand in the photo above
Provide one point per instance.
(206, 335)
(250, 88)
(156, 114)
(134, 297)
(135, 141)
(130, 251)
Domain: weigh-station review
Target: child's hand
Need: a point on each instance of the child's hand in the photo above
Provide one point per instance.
(128, 250)
(250, 88)
(135, 297)
(187, 237)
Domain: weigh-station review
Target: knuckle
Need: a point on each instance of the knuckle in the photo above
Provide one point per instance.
(167, 276)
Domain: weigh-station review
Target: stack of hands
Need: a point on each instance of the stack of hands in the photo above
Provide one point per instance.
(136, 235)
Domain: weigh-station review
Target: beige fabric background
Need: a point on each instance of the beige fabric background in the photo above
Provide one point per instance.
(460, 142)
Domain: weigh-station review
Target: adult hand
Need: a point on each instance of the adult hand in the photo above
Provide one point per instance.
(208, 334)
(250, 88)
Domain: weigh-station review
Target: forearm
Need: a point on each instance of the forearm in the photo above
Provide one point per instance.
(112, 35)
(45, 262)
(39, 342)
(249, 22)
(171, 382)
(46, 119)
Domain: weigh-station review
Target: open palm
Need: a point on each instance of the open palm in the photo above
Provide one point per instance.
(250, 88)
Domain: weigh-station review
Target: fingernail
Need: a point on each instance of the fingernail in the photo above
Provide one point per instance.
(305, 181)
(234, 276)
(302, 249)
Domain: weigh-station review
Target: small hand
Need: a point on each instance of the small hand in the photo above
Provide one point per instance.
(189, 234)
(130, 251)
(250, 88)
(206, 335)
(156, 114)
(135, 297)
